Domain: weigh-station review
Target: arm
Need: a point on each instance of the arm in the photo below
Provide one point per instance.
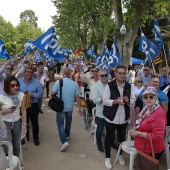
(165, 107)
(106, 98)
(95, 95)
(38, 92)
(78, 100)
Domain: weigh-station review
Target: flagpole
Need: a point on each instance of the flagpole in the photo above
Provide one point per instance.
(165, 55)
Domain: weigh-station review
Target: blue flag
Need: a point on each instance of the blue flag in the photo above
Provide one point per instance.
(148, 47)
(90, 52)
(29, 47)
(3, 52)
(49, 44)
(38, 57)
(114, 58)
(158, 35)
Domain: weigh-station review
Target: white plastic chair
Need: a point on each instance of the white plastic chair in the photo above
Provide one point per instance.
(23, 137)
(128, 147)
(167, 149)
(93, 127)
(14, 161)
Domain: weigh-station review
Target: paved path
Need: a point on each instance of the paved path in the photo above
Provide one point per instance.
(80, 155)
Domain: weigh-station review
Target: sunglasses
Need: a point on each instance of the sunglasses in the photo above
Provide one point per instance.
(140, 81)
(34, 64)
(95, 71)
(91, 67)
(104, 75)
(14, 85)
(9, 69)
(145, 69)
(148, 97)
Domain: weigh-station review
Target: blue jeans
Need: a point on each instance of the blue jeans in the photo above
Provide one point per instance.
(100, 126)
(64, 132)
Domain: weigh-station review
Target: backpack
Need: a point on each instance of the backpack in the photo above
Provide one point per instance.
(55, 103)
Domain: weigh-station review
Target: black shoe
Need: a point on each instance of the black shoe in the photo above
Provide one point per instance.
(100, 148)
(114, 146)
(36, 142)
(22, 142)
(41, 112)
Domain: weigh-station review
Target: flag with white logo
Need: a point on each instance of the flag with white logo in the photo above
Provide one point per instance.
(158, 35)
(3, 52)
(49, 44)
(148, 47)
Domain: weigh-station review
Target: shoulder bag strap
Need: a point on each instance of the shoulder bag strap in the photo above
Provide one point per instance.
(151, 142)
(61, 85)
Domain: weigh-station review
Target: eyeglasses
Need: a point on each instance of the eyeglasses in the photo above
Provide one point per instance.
(95, 71)
(9, 69)
(145, 69)
(121, 73)
(140, 81)
(34, 64)
(14, 85)
(148, 97)
(104, 75)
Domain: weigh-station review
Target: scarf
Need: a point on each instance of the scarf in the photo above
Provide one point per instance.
(144, 114)
(14, 97)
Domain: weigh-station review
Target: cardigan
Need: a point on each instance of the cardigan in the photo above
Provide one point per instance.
(155, 125)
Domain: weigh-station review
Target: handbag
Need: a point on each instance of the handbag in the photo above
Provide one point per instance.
(144, 161)
(55, 103)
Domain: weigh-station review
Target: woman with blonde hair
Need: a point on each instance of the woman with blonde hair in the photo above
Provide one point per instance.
(137, 87)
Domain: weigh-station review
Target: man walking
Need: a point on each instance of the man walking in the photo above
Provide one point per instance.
(97, 97)
(32, 86)
(69, 91)
(116, 100)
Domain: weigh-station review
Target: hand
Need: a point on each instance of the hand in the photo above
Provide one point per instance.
(119, 101)
(126, 99)
(31, 96)
(137, 109)
(134, 133)
(8, 62)
(24, 129)
(101, 100)
(10, 110)
(80, 111)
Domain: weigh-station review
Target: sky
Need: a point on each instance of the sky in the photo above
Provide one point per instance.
(43, 9)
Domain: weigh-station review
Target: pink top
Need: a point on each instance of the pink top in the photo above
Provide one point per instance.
(155, 125)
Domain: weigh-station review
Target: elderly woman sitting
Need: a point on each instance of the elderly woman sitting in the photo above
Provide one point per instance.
(150, 121)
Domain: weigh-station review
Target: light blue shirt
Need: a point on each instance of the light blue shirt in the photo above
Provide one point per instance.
(97, 95)
(33, 87)
(69, 91)
(146, 79)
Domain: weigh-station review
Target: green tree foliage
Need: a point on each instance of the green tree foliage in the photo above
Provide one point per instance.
(29, 15)
(22, 32)
(86, 22)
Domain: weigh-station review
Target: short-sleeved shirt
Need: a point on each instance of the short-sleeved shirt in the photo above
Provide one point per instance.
(7, 102)
(162, 97)
(69, 91)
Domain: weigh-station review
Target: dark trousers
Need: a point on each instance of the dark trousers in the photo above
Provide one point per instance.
(32, 114)
(100, 126)
(47, 87)
(110, 135)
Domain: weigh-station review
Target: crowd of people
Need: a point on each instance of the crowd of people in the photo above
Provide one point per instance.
(125, 97)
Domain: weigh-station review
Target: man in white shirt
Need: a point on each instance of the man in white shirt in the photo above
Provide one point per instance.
(41, 77)
(116, 100)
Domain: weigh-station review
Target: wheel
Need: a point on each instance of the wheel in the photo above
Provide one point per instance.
(85, 118)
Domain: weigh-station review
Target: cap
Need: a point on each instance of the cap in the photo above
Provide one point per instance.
(141, 64)
(150, 90)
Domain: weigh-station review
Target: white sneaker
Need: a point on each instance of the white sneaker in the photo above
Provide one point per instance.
(64, 146)
(108, 164)
(121, 160)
